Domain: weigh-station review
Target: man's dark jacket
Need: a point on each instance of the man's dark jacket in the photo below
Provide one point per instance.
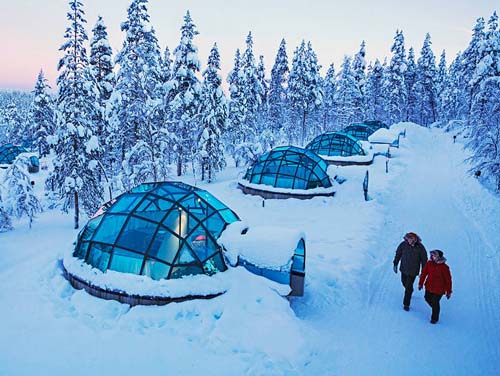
(412, 258)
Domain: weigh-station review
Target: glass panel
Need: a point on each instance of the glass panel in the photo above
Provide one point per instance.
(218, 262)
(185, 256)
(81, 250)
(89, 229)
(99, 256)
(228, 216)
(137, 234)
(126, 262)
(300, 250)
(156, 269)
(165, 246)
(215, 225)
(201, 245)
(110, 228)
(125, 203)
(268, 179)
(146, 187)
(181, 271)
(284, 182)
(214, 265)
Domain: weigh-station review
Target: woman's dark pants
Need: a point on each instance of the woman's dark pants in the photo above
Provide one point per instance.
(433, 300)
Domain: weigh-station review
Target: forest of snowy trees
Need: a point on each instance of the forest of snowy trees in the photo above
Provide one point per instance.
(149, 114)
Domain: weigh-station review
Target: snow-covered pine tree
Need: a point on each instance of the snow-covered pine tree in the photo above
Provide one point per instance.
(453, 97)
(470, 59)
(41, 116)
(101, 60)
(133, 101)
(374, 92)
(5, 220)
(329, 90)
(166, 66)
(75, 176)
(277, 93)
(304, 91)
(20, 197)
(485, 111)
(262, 111)
(359, 72)
(441, 80)
(427, 99)
(214, 111)
(395, 92)
(183, 95)
(347, 95)
(15, 130)
(410, 81)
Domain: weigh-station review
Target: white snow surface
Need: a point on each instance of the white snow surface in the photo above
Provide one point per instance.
(265, 246)
(350, 320)
(384, 135)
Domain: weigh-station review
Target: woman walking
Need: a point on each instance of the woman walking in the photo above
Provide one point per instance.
(436, 277)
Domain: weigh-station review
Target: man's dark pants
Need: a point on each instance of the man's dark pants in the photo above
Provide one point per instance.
(407, 281)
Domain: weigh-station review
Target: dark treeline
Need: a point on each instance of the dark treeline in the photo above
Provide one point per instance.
(123, 120)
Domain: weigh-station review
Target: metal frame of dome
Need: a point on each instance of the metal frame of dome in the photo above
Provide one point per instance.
(9, 152)
(335, 144)
(153, 230)
(287, 167)
(361, 131)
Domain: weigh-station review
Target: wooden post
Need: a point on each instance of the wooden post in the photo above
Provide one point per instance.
(387, 165)
(365, 186)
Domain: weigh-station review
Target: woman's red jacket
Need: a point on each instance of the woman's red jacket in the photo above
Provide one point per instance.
(437, 278)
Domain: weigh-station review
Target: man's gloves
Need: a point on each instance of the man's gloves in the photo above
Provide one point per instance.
(395, 268)
(448, 296)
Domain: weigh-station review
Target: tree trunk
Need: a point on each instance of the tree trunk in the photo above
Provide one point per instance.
(304, 126)
(179, 162)
(76, 210)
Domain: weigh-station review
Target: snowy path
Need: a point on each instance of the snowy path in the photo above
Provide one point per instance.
(426, 198)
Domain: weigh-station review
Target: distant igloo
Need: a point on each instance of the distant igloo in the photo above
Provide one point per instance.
(340, 148)
(288, 172)
(163, 231)
(359, 131)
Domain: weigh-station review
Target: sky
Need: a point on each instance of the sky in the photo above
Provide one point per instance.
(32, 31)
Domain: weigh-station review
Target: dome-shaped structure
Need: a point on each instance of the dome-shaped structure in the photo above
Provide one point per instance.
(9, 152)
(162, 230)
(375, 124)
(360, 131)
(336, 144)
(288, 167)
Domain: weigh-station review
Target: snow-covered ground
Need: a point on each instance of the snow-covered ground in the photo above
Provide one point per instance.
(350, 320)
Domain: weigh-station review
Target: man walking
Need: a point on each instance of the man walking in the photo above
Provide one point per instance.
(412, 254)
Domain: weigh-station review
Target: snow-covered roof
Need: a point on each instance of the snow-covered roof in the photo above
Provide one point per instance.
(290, 191)
(265, 246)
(383, 135)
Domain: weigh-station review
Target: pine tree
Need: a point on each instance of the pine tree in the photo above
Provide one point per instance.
(214, 112)
(441, 80)
(453, 97)
(410, 82)
(166, 66)
(485, 110)
(74, 174)
(359, 73)
(347, 95)
(22, 200)
(329, 90)
(101, 60)
(425, 88)
(374, 92)
(41, 116)
(394, 86)
(304, 90)
(15, 132)
(5, 220)
(277, 92)
(183, 94)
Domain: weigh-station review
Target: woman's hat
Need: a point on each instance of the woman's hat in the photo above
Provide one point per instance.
(437, 252)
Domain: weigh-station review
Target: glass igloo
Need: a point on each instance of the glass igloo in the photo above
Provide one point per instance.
(9, 152)
(375, 124)
(286, 168)
(336, 144)
(162, 230)
(360, 131)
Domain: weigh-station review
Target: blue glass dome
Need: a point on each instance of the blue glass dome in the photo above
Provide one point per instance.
(9, 152)
(289, 167)
(375, 124)
(162, 230)
(336, 144)
(360, 131)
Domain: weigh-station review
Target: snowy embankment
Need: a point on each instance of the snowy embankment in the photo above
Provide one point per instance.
(349, 322)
